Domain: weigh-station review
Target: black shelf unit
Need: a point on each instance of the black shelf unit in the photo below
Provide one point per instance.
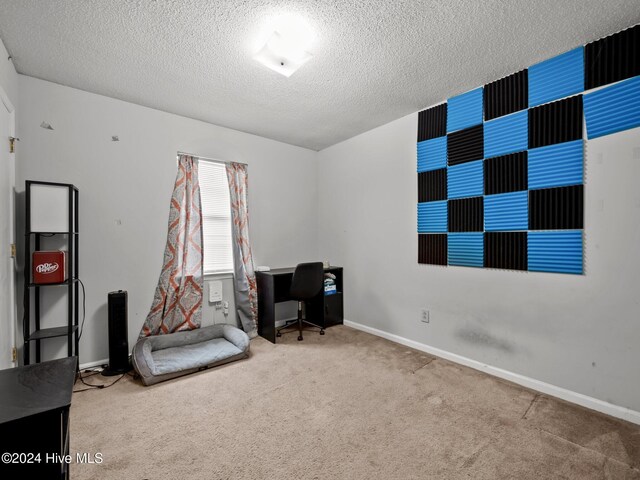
(34, 240)
(328, 310)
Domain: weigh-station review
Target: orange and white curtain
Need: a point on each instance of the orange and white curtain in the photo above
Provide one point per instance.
(244, 276)
(177, 303)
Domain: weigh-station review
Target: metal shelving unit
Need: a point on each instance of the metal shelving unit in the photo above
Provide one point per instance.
(32, 330)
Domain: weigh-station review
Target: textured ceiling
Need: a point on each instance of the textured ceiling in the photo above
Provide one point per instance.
(374, 60)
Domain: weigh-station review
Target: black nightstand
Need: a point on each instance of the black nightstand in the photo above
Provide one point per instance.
(34, 404)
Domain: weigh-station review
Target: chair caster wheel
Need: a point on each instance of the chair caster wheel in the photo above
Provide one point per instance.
(321, 332)
(278, 334)
(300, 338)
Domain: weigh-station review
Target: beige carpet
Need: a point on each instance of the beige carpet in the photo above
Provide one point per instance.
(347, 405)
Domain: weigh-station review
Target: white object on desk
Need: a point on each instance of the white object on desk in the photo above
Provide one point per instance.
(262, 268)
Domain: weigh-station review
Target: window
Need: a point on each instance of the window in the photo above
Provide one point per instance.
(216, 218)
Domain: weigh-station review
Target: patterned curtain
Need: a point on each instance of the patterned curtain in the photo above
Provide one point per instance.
(245, 279)
(177, 303)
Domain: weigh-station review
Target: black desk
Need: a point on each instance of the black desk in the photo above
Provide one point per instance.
(34, 403)
(273, 287)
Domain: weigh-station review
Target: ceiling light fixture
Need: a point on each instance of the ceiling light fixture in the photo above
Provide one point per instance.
(285, 50)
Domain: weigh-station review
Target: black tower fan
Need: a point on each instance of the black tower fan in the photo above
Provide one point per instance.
(118, 334)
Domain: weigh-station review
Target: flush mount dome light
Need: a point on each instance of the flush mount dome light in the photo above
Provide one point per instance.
(285, 50)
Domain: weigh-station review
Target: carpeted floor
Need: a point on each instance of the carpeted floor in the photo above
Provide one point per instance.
(347, 405)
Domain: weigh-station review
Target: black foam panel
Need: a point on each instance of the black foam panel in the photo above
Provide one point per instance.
(507, 173)
(556, 208)
(612, 58)
(465, 145)
(556, 122)
(432, 248)
(432, 185)
(505, 250)
(432, 122)
(466, 215)
(507, 95)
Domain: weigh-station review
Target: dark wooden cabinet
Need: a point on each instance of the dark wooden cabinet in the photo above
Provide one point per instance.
(333, 310)
(273, 287)
(34, 419)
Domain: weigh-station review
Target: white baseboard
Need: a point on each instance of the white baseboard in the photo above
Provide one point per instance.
(280, 323)
(546, 388)
(97, 363)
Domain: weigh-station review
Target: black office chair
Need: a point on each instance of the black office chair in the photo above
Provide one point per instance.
(306, 284)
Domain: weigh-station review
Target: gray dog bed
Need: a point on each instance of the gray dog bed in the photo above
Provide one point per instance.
(163, 357)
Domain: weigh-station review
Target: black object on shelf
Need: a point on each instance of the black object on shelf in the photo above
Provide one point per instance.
(34, 240)
(35, 399)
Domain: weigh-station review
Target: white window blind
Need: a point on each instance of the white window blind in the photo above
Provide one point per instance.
(216, 217)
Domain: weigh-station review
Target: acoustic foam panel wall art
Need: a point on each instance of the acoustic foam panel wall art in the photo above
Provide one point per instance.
(557, 77)
(613, 58)
(613, 109)
(501, 168)
(507, 95)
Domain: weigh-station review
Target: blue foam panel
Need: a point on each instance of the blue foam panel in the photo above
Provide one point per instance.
(556, 165)
(557, 77)
(465, 180)
(613, 109)
(506, 211)
(432, 217)
(464, 110)
(559, 252)
(432, 154)
(466, 249)
(506, 134)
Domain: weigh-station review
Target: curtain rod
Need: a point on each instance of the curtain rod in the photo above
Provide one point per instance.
(200, 157)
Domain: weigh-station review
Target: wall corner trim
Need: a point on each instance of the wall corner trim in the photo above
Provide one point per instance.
(542, 387)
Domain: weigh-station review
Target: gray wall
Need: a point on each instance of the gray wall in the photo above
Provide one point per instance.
(577, 332)
(125, 188)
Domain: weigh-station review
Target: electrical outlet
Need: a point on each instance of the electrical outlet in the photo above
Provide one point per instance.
(425, 316)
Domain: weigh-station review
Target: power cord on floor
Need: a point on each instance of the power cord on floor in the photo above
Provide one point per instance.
(93, 386)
